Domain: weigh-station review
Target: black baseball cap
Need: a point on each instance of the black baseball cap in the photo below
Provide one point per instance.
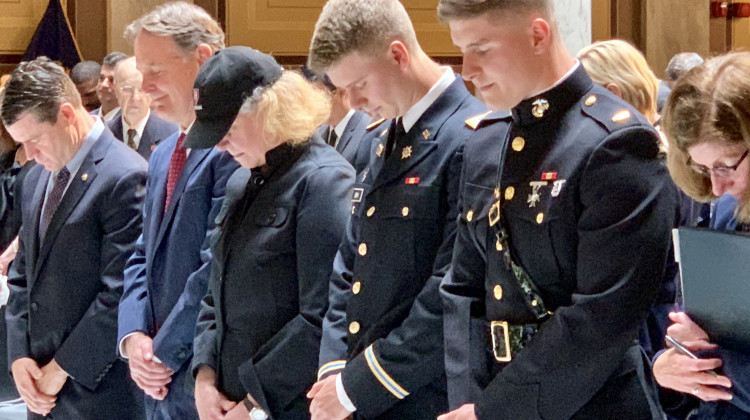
(222, 84)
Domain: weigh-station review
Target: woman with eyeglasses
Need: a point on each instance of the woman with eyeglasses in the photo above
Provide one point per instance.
(707, 121)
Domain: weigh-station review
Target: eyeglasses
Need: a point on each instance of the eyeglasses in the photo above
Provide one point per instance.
(720, 171)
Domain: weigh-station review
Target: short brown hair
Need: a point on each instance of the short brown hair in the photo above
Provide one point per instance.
(348, 26)
(290, 109)
(620, 63)
(39, 86)
(187, 24)
(711, 103)
(449, 10)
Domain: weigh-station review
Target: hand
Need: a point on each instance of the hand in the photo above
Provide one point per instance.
(239, 412)
(325, 403)
(25, 373)
(682, 373)
(465, 412)
(152, 377)
(7, 257)
(53, 378)
(684, 329)
(211, 404)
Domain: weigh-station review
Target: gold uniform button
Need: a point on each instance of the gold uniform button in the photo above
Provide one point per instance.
(354, 327)
(540, 218)
(356, 287)
(499, 246)
(498, 292)
(510, 192)
(370, 211)
(591, 100)
(405, 211)
(470, 215)
(363, 248)
(518, 144)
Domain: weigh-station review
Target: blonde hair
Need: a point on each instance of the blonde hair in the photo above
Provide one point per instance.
(290, 109)
(621, 64)
(709, 104)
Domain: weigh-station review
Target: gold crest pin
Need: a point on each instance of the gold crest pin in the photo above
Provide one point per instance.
(540, 107)
(406, 153)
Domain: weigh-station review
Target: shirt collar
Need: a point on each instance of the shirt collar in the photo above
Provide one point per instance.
(415, 112)
(341, 126)
(139, 127)
(111, 114)
(562, 79)
(88, 143)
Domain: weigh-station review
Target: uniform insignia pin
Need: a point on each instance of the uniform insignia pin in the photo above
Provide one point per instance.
(357, 195)
(406, 153)
(557, 187)
(84, 177)
(426, 134)
(549, 176)
(534, 197)
(413, 180)
(379, 152)
(364, 174)
(384, 132)
(540, 107)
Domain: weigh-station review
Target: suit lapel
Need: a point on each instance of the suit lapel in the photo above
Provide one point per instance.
(196, 157)
(41, 188)
(78, 186)
(346, 137)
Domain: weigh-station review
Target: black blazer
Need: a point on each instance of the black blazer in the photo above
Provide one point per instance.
(352, 136)
(65, 288)
(260, 323)
(155, 131)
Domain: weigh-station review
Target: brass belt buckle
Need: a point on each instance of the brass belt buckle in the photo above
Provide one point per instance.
(500, 340)
(494, 215)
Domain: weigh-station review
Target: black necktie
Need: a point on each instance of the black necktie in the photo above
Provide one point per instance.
(332, 138)
(397, 131)
(53, 200)
(131, 139)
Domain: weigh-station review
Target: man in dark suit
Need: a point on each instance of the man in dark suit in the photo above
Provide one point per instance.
(564, 231)
(81, 216)
(167, 276)
(138, 127)
(384, 322)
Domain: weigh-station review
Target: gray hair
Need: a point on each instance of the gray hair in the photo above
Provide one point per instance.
(681, 63)
(187, 24)
(110, 60)
(348, 26)
(449, 10)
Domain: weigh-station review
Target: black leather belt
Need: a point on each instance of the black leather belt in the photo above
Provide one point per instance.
(508, 339)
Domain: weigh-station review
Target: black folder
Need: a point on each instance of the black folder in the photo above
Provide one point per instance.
(715, 274)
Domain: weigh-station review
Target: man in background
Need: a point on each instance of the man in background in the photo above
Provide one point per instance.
(85, 75)
(138, 127)
(105, 89)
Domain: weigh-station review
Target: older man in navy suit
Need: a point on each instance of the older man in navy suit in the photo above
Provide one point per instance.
(138, 127)
(167, 276)
(81, 218)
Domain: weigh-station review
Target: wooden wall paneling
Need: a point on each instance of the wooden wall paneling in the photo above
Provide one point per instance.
(601, 20)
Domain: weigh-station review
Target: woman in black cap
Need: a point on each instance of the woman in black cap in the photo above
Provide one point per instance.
(258, 333)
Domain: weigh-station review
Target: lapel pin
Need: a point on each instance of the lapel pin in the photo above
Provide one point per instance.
(540, 107)
(84, 177)
(406, 153)
(379, 152)
(426, 134)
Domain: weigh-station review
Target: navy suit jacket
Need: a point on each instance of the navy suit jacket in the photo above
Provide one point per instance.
(167, 275)
(65, 288)
(352, 136)
(155, 131)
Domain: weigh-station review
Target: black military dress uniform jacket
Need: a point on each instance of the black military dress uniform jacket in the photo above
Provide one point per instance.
(260, 323)
(384, 321)
(588, 207)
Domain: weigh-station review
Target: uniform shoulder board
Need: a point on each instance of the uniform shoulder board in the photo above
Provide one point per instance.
(474, 121)
(375, 124)
(609, 112)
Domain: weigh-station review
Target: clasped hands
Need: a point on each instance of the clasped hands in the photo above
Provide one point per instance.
(38, 386)
(150, 375)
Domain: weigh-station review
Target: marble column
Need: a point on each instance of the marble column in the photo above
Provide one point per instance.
(574, 20)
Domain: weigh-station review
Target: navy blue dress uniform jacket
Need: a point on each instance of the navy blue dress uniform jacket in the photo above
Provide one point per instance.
(167, 275)
(260, 323)
(66, 287)
(154, 132)
(349, 142)
(588, 206)
(385, 320)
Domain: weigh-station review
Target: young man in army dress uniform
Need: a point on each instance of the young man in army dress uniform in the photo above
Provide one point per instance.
(563, 235)
(382, 346)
